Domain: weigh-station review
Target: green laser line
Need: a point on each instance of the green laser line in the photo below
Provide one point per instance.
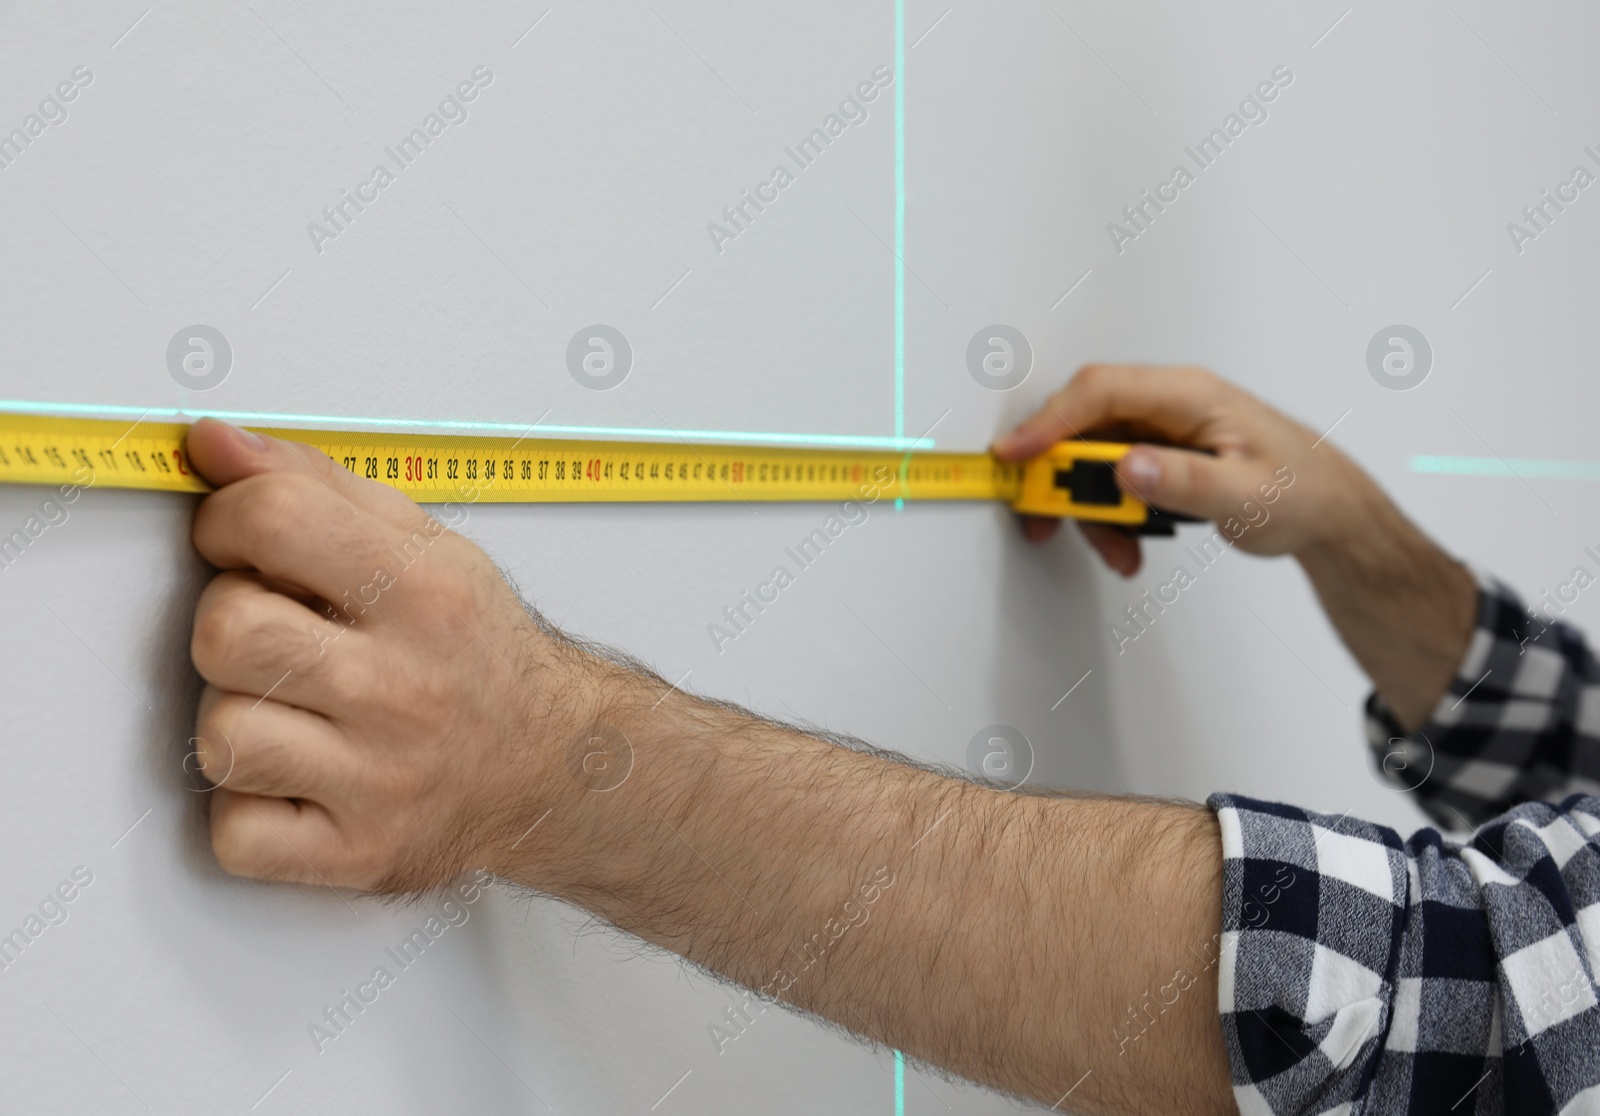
(900, 334)
(899, 226)
(899, 1084)
(282, 418)
(900, 219)
(1541, 468)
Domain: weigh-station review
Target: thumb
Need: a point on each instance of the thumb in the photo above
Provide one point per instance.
(223, 454)
(1182, 481)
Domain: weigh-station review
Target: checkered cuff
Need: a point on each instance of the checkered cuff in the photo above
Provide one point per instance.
(1362, 973)
(1520, 721)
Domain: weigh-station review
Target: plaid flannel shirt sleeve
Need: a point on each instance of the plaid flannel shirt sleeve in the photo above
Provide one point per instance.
(1519, 723)
(1360, 972)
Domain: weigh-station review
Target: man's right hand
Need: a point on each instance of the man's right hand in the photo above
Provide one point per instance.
(1206, 448)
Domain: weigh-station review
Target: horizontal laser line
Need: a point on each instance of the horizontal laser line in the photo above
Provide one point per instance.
(1538, 468)
(282, 418)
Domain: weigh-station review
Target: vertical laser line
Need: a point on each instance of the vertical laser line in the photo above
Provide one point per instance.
(899, 223)
(900, 218)
(899, 332)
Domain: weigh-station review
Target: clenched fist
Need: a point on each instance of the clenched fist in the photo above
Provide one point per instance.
(375, 691)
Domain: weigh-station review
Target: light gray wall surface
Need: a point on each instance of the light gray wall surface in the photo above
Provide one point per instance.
(179, 188)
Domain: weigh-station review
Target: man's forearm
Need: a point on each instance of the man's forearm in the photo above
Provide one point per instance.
(1403, 606)
(1004, 937)
(1043, 945)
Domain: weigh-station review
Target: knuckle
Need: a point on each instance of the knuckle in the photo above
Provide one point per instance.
(216, 522)
(273, 504)
(238, 633)
(1093, 378)
(436, 698)
(450, 591)
(222, 717)
(214, 754)
(443, 597)
(247, 750)
(212, 643)
(248, 518)
(234, 841)
(1095, 387)
(204, 517)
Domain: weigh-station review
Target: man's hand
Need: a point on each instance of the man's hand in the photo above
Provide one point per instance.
(1404, 607)
(382, 712)
(372, 682)
(1207, 449)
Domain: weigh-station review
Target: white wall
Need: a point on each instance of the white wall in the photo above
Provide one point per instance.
(577, 191)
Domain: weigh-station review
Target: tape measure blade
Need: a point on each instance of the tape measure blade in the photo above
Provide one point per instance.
(86, 453)
(432, 468)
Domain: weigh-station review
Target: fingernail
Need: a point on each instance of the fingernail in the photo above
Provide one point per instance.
(1141, 470)
(1005, 444)
(254, 441)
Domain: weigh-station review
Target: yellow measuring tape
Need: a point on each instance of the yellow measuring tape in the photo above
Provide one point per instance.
(1072, 479)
